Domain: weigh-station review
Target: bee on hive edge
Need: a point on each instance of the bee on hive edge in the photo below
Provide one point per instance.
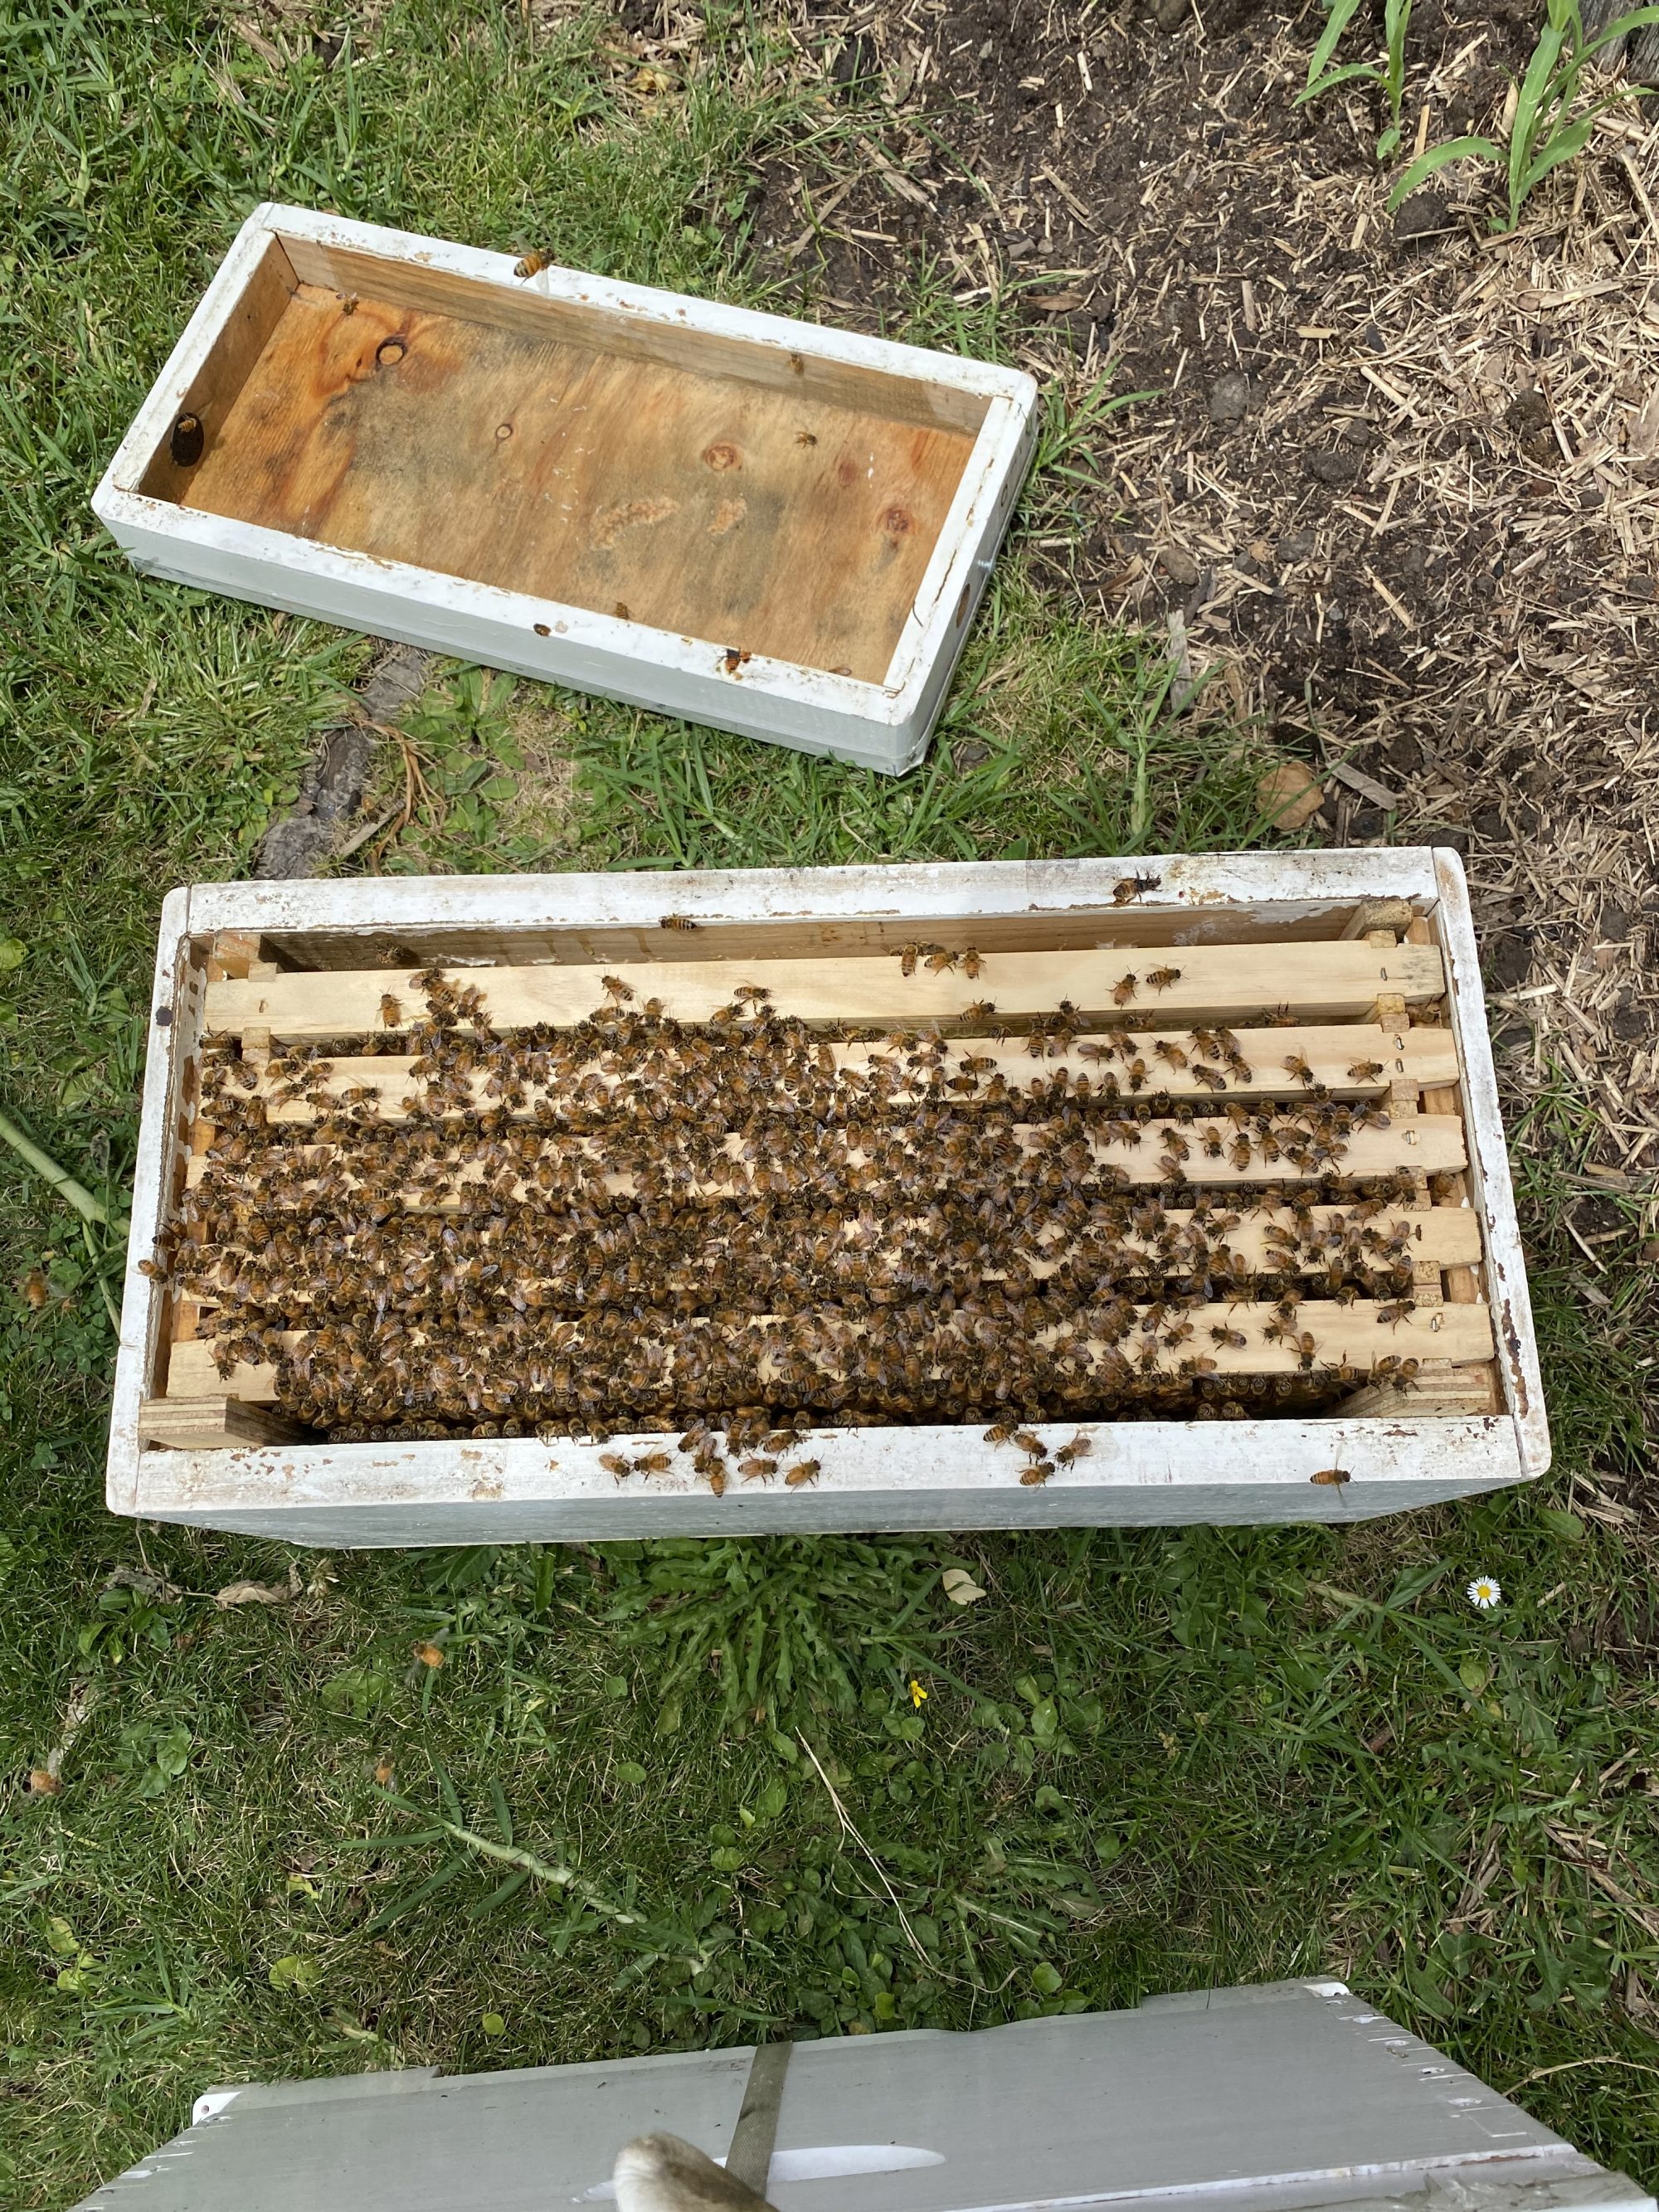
(531, 264)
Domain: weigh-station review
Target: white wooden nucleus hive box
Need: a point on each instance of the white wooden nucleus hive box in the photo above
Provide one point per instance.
(1250, 1028)
(764, 524)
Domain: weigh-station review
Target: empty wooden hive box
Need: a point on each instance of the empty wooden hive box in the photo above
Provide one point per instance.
(994, 1195)
(777, 528)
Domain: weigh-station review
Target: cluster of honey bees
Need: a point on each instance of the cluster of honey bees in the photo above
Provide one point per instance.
(733, 1232)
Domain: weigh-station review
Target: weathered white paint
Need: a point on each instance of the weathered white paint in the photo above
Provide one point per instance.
(1491, 1189)
(883, 725)
(1138, 1473)
(1216, 889)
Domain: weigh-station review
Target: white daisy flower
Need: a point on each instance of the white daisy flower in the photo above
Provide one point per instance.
(1483, 1593)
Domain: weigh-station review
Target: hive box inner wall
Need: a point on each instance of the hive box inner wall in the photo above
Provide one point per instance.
(702, 486)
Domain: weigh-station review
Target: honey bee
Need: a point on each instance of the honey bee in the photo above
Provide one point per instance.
(980, 1011)
(1209, 1078)
(1000, 1432)
(1133, 887)
(531, 264)
(908, 957)
(1365, 1071)
(615, 988)
(1391, 1315)
(1169, 1051)
(656, 1462)
(971, 964)
(939, 960)
(1296, 1065)
(717, 1482)
(804, 1470)
(1079, 1448)
(615, 1463)
(1124, 990)
(1234, 1339)
(751, 994)
(1029, 1442)
(681, 921)
(392, 1011)
(757, 1470)
(1331, 1476)
(1161, 978)
(1038, 1472)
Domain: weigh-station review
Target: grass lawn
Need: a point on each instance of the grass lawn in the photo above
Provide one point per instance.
(284, 1842)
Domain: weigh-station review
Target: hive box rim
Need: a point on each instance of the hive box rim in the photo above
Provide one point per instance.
(275, 1487)
(897, 712)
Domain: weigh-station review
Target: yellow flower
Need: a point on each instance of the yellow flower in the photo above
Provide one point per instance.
(917, 1694)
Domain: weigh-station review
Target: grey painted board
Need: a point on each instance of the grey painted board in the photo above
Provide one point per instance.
(1289, 2095)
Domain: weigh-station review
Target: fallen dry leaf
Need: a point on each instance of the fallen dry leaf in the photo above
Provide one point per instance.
(43, 1783)
(1289, 795)
(253, 1594)
(430, 1655)
(960, 1586)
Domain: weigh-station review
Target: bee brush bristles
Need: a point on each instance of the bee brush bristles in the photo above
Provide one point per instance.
(665, 2173)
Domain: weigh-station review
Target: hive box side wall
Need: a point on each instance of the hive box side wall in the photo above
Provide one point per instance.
(1139, 1473)
(1491, 1188)
(1142, 1474)
(886, 726)
(173, 1036)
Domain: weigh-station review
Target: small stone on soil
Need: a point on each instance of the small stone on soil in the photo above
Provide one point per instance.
(1508, 959)
(1230, 397)
(1336, 465)
(1422, 213)
(1180, 567)
(1528, 410)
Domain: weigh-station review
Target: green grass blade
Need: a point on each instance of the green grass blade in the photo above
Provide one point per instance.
(1435, 158)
